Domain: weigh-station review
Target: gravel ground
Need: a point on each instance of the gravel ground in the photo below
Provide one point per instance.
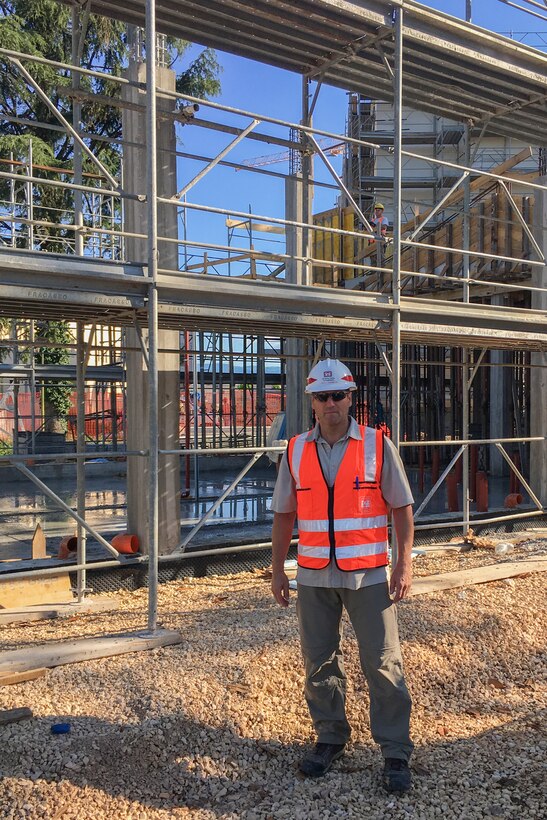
(214, 727)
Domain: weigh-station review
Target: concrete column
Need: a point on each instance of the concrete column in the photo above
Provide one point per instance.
(297, 404)
(134, 165)
(500, 408)
(538, 378)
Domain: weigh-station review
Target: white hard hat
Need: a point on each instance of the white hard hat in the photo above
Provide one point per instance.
(329, 375)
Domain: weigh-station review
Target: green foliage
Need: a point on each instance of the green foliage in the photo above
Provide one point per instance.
(57, 333)
(201, 78)
(5, 448)
(4, 334)
(18, 145)
(57, 395)
(43, 28)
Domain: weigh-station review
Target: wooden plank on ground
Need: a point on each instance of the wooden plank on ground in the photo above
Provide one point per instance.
(83, 649)
(28, 614)
(22, 677)
(477, 575)
(45, 612)
(14, 715)
(53, 589)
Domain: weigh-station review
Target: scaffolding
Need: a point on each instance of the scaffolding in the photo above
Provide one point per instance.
(373, 44)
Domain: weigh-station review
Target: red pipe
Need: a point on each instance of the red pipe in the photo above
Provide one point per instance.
(68, 547)
(186, 492)
(512, 500)
(126, 544)
(452, 492)
(458, 466)
(473, 464)
(482, 491)
(514, 483)
(435, 463)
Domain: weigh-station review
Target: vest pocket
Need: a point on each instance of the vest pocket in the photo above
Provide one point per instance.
(304, 502)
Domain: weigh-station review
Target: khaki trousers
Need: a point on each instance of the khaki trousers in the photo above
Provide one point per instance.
(373, 617)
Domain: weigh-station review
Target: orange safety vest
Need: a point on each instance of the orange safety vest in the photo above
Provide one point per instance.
(378, 222)
(348, 521)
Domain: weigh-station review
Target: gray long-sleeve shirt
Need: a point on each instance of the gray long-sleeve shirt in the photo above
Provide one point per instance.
(393, 483)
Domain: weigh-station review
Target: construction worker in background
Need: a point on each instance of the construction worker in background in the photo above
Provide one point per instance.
(342, 562)
(379, 222)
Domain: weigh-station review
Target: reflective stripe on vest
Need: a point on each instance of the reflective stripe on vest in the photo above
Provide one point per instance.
(348, 521)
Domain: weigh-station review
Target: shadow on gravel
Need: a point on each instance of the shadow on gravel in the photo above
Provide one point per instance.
(170, 762)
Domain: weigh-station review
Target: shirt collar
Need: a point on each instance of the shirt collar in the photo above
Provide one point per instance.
(352, 432)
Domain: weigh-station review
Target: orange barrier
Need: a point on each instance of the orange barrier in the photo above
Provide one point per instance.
(68, 547)
(125, 543)
(512, 500)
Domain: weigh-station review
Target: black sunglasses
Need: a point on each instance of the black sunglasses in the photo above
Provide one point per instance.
(338, 395)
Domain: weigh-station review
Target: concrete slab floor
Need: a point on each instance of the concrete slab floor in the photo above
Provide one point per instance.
(23, 506)
(244, 517)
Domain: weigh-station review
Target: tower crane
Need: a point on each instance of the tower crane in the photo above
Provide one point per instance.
(329, 147)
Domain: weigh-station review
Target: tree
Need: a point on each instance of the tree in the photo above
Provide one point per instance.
(57, 396)
(43, 28)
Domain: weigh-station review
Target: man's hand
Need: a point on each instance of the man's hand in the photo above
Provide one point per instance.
(401, 577)
(280, 588)
(401, 581)
(282, 529)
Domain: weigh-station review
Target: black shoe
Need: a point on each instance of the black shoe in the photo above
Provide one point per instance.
(396, 777)
(320, 759)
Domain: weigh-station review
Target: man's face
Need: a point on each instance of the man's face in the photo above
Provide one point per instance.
(331, 407)
(378, 212)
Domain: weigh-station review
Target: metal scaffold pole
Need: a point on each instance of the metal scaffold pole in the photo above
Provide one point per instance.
(151, 194)
(80, 461)
(465, 352)
(396, 277)
(78, 33)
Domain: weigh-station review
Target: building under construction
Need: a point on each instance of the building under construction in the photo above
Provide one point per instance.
(189, 352)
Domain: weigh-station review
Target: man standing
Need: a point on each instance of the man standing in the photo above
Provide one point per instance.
(342, 480)
(379, 222)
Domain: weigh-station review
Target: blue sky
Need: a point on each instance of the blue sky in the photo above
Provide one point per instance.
(259, 88)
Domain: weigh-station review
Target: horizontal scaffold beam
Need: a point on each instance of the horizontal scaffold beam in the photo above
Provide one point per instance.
(53, 286)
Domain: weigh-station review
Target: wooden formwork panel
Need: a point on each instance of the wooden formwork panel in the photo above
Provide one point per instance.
(494, 228)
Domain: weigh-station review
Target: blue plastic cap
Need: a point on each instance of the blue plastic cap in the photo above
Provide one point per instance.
(60, 728)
